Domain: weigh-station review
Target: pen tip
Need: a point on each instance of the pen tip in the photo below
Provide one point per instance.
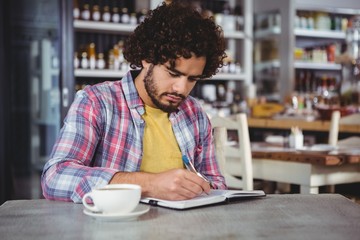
(185, 159)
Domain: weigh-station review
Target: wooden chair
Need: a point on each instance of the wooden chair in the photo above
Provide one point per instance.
(235, 160)
(335, 122)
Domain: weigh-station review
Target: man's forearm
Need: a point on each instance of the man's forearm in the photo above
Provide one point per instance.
(175, 184)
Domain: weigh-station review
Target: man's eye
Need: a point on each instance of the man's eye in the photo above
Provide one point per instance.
(173, 74)
(194, 79)
(197, 79)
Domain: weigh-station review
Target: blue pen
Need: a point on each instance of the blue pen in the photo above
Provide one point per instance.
(189, 166)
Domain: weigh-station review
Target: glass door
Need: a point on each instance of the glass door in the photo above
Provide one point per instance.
(33, 53)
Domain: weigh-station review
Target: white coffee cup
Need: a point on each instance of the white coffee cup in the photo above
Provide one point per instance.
(113, 198)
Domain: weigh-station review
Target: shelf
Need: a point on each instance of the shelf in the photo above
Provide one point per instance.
(321, 66)
(266, 77)
(266, 65)
(104, 27)
(324, 8)
(229, 76)
(265, 33)
(298, 64)
(275, 31)
(319, 33)
(234, 35)
(317, 125)
(107, 73)
(108, 27)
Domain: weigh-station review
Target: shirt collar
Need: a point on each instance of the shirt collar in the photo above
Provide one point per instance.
(131, 94)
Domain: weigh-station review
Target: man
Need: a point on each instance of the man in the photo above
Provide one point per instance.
(136, 130)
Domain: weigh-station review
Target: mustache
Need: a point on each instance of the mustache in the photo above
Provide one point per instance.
(174, 94)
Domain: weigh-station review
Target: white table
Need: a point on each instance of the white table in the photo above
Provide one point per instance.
(307, 169)
(293, 216)
(309, 176)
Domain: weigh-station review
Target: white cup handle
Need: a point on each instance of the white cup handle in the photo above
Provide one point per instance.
(92, 208)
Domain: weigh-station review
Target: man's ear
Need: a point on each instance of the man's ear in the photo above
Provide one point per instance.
(145, 64)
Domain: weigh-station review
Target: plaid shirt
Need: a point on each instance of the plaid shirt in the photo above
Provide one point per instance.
(102, 135)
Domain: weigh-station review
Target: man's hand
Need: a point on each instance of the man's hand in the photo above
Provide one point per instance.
(176, 184)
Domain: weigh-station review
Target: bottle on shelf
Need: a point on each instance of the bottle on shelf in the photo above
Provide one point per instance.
(110, 62)
(344, 24)
(333, 98)
(121, 48)
(115, 17)
(133, 19)
(95, 14)
(84, 63)
(232, 67)
(322, 21)
(116, 61)
(106, 15)
(125, 17)
(239, 18)
(92, 56)
(85, 12)
(76, 61)
(331, 52)
(124, 66)
(100, 62)
(141, 15)
(76, 10)
(310, 21)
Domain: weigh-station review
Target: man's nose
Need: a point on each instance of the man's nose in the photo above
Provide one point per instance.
(180, 85)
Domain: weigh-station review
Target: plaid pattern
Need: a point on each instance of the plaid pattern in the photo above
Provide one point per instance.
(102, 135)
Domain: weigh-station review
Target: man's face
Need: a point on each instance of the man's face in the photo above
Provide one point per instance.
(167, 86)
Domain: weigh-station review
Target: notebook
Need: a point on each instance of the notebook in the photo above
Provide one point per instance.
(215, 197)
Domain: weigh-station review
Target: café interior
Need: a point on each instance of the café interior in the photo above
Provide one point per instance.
(285, 106)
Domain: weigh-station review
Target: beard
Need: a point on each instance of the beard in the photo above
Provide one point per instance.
(151, 89)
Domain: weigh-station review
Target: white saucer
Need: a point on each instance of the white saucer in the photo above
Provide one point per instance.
(317, 149)
(139, 210)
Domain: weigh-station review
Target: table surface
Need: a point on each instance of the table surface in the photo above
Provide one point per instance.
(271, 151)
(317, 125)
(291, 216)
(327, 159)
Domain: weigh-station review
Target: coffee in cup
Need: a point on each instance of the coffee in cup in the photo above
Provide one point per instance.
(113, 198)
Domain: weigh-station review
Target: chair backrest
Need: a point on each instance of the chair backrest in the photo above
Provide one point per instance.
(336, 121)
(235, 160)
(334, 128)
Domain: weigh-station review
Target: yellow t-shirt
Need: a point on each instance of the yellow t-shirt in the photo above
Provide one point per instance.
(161, 151)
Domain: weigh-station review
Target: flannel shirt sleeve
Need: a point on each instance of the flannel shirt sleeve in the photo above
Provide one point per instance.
(209, 165)
(68, 174)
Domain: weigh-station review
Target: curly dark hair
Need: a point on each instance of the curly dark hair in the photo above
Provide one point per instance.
(176, 30)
